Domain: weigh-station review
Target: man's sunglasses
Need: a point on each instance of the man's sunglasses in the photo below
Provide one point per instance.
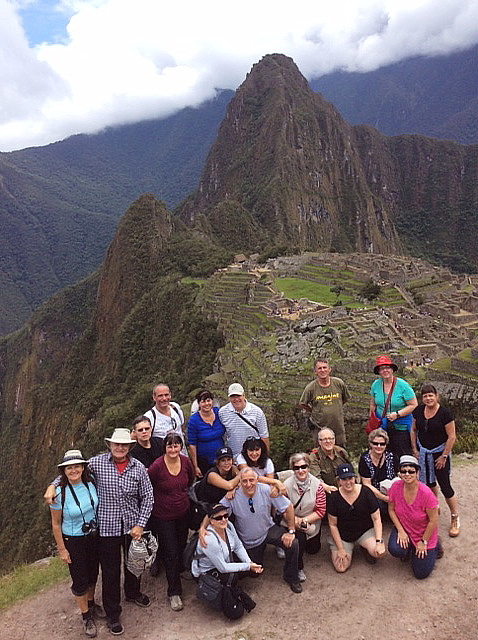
(224, 516)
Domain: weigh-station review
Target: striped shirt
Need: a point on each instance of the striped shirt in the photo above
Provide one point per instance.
(237, 430)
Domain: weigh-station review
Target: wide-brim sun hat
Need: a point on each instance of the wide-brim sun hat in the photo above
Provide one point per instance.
(382, 361)
(121, 436)
(72, 456)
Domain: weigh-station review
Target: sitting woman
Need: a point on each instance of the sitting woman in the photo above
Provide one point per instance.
(377, 465)
(308, 497)
(219, 479)
(354, 518)
(73, 519)
(255, 455)
(218, 559)
(413, 509)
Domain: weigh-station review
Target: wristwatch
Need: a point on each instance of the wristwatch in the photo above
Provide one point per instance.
(424, 542)
(379, 540)
(291, 531)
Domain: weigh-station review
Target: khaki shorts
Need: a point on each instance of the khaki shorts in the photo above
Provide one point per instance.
(349, 546)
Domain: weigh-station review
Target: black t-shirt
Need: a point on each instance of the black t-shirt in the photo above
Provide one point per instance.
(387, 471)
(210, 493)
(148, 456)
(432, 432)
(353, 520)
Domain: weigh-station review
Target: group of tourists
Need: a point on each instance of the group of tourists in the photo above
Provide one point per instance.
(215, 475)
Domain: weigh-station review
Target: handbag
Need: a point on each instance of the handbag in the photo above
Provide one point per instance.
(209, 590)
(373, 421)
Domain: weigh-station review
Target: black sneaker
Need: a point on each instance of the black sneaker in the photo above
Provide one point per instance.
(116, 628)
(142, 600)
(296, 587)
(89, 627)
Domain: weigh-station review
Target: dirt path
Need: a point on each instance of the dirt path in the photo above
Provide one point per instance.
(382, 602)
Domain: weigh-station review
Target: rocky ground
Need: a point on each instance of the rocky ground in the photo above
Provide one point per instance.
(381, 602)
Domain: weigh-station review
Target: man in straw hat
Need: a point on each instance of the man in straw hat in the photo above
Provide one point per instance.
(125, 500)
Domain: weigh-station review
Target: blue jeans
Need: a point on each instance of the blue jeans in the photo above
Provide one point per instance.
(421, 567)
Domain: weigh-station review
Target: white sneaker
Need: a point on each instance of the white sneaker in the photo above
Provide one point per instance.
(280, 553)
(176, 603)
(302, 576)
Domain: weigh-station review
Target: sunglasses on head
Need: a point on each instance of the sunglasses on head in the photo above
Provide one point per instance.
(224, 516)
(296, 467)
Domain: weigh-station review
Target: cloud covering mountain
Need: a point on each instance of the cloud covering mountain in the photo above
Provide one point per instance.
(107, 62)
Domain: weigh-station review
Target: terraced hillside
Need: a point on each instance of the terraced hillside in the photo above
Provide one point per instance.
(271, 340)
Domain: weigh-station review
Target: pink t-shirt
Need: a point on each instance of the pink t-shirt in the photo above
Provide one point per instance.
(413, 517)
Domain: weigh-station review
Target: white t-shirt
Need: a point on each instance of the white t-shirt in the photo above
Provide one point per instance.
(260, 471)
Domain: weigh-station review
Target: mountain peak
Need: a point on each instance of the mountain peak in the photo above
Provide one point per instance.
(285, 170)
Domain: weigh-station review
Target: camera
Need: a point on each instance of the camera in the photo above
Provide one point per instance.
(90, 528)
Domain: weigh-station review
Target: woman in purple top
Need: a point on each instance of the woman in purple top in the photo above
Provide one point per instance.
(205, 433)
(171, 475)
(413, 509)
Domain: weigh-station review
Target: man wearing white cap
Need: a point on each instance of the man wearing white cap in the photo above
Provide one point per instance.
(242, 419)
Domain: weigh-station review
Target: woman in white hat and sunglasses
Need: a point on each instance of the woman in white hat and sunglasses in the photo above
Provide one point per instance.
(74, 524)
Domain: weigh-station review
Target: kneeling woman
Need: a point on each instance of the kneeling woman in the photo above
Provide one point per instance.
(217, 558)
(73, 519)
(413, 509)
(354, 518)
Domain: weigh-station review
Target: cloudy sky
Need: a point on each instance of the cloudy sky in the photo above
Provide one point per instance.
(76, 66)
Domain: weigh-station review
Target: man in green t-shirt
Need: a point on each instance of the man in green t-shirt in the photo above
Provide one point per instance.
(323, 399)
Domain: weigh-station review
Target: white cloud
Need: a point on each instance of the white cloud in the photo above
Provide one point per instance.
(123, 61)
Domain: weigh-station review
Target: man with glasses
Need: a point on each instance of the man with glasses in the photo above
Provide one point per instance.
(326, 458)
(147, 447)
(251, 505)
(323, 400)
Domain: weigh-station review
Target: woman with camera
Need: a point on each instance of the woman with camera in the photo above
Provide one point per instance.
(307, 494)
(73, 519)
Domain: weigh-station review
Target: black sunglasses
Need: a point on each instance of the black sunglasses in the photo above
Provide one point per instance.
(379, 444)
(251, 506)
(408, 472)
(224, 516)
(300, 466)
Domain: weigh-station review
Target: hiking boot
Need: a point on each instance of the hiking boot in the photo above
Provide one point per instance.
(176, 603)
(89, 627)
(454, 529)
(142, 600)
(296, 587)
(116, 628)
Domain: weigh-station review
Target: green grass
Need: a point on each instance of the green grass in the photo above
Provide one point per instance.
(297, 288)
(29, 579)
(191, 280)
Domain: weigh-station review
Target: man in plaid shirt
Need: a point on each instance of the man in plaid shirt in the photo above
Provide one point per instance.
(125, 500)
